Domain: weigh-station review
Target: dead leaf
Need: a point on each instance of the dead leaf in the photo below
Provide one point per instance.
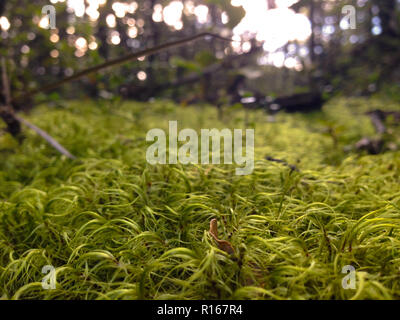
(222, 244)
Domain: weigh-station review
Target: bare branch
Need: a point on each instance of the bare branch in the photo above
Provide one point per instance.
(47, 137)
(121, 60)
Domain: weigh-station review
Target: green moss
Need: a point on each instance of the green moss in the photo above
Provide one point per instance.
(117, 228)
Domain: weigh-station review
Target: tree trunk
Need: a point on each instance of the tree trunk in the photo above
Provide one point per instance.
(387, 15)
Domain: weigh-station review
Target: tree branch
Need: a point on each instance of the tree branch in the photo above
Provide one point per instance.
(46, 137)
(121, 60)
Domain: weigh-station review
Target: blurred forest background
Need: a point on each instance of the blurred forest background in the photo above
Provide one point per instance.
(281, 48)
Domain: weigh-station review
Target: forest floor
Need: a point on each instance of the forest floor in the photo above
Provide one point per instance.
(115, 227)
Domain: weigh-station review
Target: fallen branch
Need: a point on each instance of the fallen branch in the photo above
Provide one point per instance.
(212, 69)
(6, 84)
(8, 115)
(47, 137)
(378, 118)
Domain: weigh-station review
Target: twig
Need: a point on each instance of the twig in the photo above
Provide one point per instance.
(47, 137)
(291, 166)
(378, 117)
(7, 113)
(222, 244)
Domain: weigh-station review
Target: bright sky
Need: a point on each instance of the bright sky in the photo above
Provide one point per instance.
(276, 27)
